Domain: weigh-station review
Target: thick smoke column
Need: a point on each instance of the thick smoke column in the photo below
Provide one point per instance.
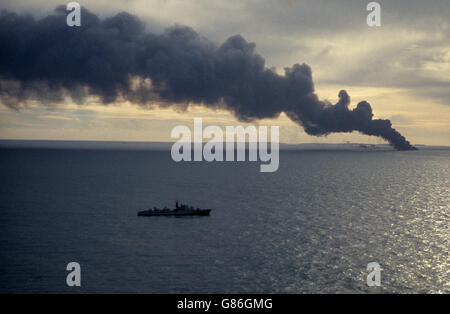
(116, 59)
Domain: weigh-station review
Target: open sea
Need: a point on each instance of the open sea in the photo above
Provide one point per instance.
(311, 227)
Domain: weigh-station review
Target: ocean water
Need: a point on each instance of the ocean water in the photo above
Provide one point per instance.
(311, 227)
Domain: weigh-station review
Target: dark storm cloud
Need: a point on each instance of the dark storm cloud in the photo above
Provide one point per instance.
(45, 60)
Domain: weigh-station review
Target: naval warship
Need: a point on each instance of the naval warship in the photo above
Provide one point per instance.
(179, 210)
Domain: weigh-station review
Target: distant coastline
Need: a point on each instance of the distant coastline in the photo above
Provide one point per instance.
(131, 145)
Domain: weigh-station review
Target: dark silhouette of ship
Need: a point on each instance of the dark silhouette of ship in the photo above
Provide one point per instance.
(179, 210)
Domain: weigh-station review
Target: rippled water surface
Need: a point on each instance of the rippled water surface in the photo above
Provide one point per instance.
(312, 226)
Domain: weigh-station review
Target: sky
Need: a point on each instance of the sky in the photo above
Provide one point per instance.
(402, 68)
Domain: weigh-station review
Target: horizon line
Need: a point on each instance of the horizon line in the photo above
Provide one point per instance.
(205, 141)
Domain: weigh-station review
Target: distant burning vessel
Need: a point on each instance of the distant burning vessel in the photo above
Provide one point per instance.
(179, 210)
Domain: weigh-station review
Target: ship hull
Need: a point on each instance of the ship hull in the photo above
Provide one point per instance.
(200, 212)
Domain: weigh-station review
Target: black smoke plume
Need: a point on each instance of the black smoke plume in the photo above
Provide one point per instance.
(117, 59)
